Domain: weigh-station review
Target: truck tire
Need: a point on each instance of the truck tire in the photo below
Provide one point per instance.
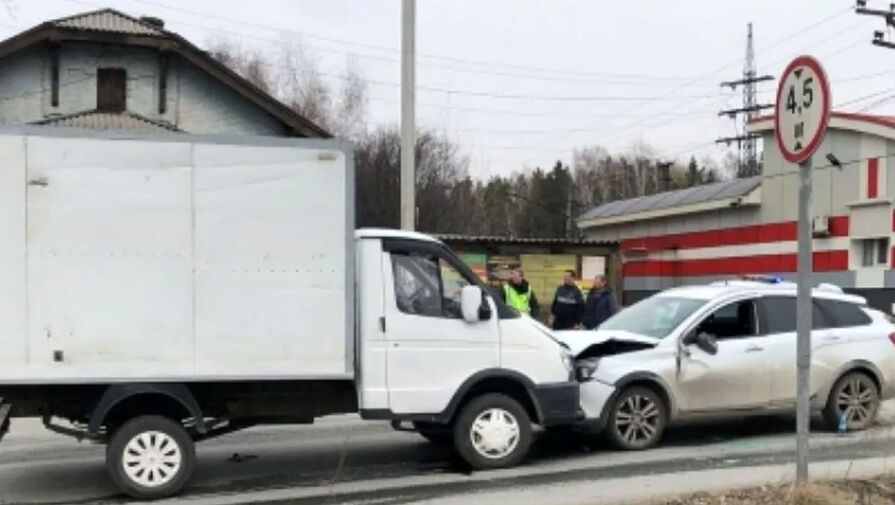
(492, 431)
(637, 419)
(150, 457)
(856, 396)
(438, 434)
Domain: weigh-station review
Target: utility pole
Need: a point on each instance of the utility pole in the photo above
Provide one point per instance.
(408, 114)
(746, 142)
(879, 37)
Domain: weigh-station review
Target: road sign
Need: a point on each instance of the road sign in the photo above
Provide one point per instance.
(802, 109)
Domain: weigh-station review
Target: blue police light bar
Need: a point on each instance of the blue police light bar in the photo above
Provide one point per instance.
(768, 279)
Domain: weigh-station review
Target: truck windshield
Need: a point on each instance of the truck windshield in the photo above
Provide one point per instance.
(656, 316)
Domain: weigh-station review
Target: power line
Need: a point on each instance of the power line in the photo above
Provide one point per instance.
(712, 73)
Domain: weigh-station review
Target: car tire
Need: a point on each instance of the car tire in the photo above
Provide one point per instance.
(492, 431)
(636, 420)
(150, 457)
(438, 434)
(855, 395)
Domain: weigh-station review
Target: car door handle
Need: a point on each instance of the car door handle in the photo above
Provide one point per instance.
(754, 348)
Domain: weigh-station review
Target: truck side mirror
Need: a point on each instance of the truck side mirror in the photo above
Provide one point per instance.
(470, 302)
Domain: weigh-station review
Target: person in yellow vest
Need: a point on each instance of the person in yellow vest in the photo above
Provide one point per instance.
(518, 294)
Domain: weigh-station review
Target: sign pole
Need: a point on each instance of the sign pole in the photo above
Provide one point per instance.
(803, 322)
(801, 117)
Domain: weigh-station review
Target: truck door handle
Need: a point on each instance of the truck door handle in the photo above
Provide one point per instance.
(831, 338)
(754, 348)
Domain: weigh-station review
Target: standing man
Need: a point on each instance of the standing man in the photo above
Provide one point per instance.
(568, 304)
(600, 304)
(518, 294)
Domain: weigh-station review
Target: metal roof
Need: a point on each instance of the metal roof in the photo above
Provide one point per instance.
(490, 239)
(109, 20)
(95, 120)
(670, 199)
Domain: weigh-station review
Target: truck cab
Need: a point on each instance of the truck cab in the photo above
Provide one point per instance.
(439, 350)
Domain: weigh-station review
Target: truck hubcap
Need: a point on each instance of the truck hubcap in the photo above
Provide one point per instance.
(152, 459)
(637, 419)
(495, 433)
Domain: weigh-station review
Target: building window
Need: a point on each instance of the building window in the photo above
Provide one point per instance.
(111, 90)
(874, 252)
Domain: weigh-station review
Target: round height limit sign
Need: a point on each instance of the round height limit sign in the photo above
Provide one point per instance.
(802, 109)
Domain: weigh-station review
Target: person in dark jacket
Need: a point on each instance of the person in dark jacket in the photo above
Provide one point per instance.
(600, 304)
(518, 294)
(568, 304)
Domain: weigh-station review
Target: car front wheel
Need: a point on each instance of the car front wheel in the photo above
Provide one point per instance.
(853, 402)
(637, 419)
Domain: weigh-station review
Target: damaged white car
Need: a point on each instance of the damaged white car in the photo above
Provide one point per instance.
(728, 350)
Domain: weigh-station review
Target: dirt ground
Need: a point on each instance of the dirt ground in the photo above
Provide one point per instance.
(878, 491)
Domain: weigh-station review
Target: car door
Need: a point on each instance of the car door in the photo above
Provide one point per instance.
(734, 377)
(778, 322)
(431, 349)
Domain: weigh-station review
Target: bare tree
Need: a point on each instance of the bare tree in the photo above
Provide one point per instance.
(250, 64)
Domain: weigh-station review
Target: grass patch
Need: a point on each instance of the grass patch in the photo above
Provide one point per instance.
(879, 491)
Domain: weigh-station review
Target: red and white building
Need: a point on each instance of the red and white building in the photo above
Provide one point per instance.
(748, 226)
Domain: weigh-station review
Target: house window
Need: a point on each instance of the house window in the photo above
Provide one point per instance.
(874, 252)
(111, 90)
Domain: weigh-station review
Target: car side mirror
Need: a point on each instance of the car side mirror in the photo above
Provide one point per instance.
(707, 343)
(471, 299)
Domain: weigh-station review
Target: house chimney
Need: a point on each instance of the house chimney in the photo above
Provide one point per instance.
(154, 21)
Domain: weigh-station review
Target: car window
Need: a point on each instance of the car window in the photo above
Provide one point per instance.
(426, 285)
(781, 315)
(843, 314)
(656, 316)
(734, 320)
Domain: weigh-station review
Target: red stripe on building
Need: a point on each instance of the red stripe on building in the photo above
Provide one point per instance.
(756, 234)
(823, 261)
(872, 177)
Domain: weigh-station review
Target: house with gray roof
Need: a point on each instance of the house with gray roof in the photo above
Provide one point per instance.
(106, 70)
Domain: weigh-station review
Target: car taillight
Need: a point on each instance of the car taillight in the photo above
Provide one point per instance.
(892, 338)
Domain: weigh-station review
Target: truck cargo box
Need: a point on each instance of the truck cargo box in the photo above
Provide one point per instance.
(170, 257)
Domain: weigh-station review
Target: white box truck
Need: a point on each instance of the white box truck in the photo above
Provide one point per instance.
(160, 290)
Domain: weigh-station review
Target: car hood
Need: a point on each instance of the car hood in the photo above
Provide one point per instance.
(580, 341)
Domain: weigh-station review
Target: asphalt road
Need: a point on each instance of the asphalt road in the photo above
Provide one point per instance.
(344, 460)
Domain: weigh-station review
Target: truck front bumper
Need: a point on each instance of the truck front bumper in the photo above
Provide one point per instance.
(559, 403)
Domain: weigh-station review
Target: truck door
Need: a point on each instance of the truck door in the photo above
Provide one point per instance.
(431, 349)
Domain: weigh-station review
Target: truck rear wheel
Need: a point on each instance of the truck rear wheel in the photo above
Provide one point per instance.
(150, 457)
(492, 431)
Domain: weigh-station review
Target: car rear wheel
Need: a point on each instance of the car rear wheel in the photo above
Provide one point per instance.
(637, 419)
(492, 431)
(150, 457)
(854, 399)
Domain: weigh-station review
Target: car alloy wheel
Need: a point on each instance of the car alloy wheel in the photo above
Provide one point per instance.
(637, 419)
(856, 399)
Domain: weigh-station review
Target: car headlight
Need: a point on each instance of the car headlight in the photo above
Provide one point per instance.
(586, 369)
(567, 360)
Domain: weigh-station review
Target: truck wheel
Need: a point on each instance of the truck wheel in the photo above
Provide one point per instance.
(438, 434)
(856, 397)
(636, 420)
(150, 457)
(492, 431)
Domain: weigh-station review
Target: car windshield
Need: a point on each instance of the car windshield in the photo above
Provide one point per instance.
(656, 316)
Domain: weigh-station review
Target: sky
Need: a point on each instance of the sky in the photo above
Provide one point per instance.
(523, 83)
